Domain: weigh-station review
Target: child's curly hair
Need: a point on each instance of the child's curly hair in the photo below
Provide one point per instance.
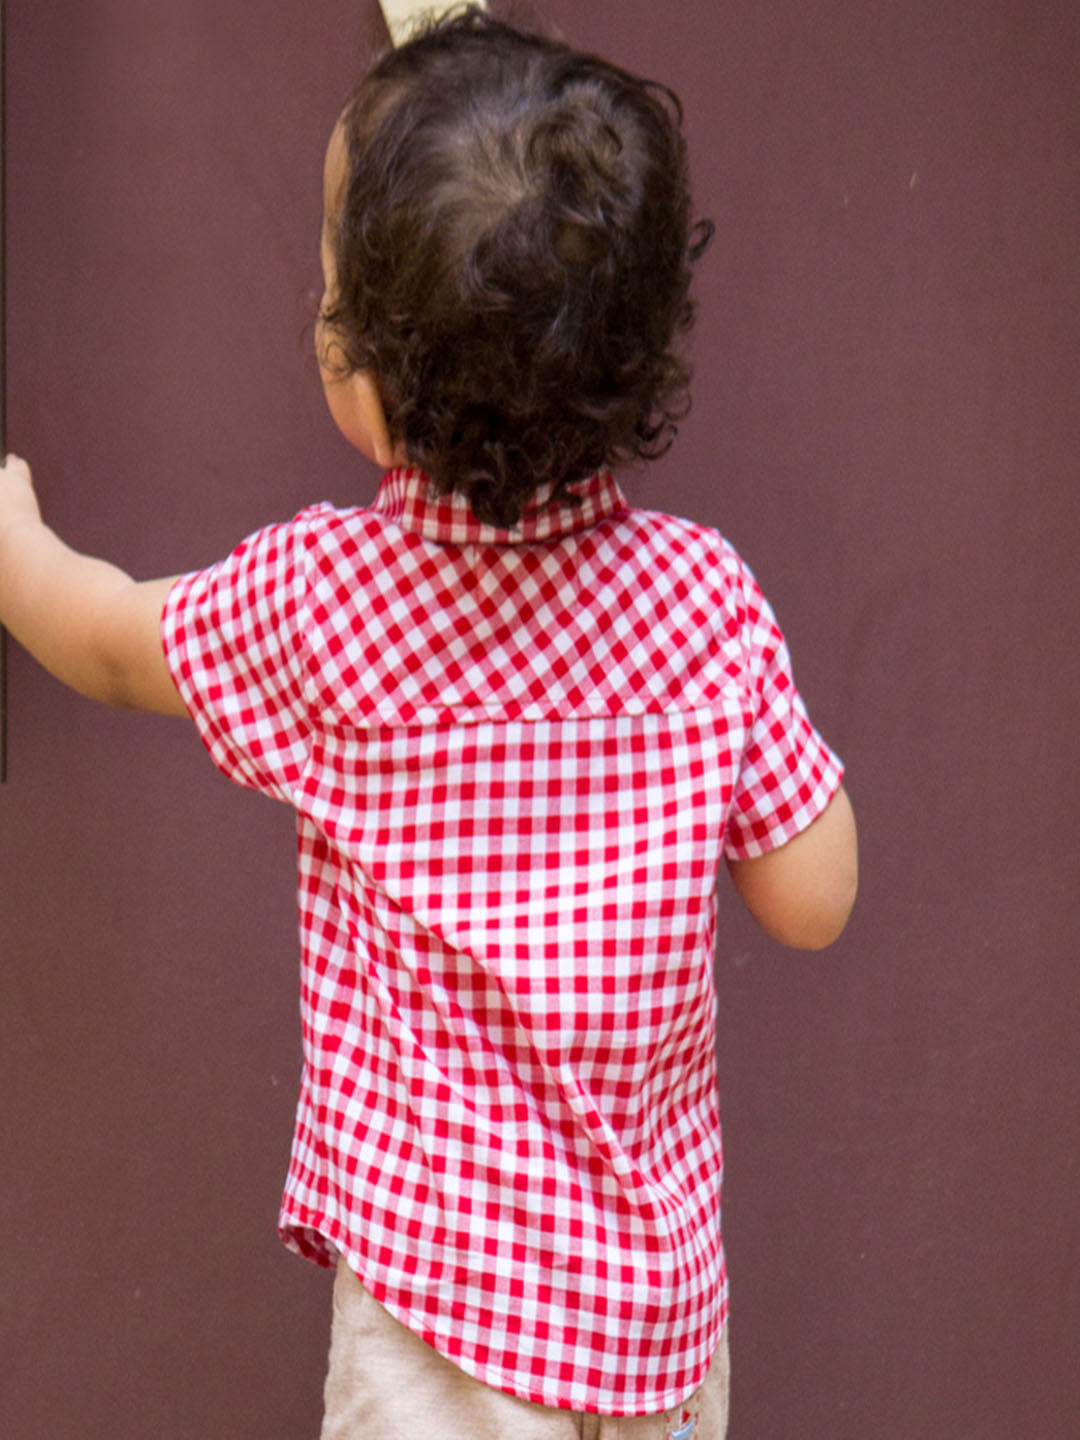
(513, 259)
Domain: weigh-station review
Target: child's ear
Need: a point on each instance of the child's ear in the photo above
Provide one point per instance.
(357, 407)
(370, 405)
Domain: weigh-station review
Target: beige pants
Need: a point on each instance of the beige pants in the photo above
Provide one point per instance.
(385, 1383)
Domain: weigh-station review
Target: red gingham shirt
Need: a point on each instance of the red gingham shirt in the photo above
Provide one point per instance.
(517, 758)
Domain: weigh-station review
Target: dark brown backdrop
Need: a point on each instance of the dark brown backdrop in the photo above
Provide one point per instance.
(886, 423)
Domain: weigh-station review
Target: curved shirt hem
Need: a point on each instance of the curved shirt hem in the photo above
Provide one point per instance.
(335, 1243)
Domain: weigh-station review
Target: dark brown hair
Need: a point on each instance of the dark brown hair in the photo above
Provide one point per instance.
(513, 259)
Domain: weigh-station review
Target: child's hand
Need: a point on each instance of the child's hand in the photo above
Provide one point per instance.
(403, 16)
(17, 498)
(87, 622)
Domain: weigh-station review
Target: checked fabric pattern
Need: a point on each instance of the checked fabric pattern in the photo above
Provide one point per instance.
(516, 758)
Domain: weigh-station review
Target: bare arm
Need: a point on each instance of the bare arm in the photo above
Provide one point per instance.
(86, 621)
(802, 893)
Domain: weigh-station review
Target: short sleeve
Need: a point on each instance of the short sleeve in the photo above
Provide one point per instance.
(788, 774)
(233, 637)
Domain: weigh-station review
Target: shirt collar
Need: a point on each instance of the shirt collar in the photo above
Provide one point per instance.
(405, 496)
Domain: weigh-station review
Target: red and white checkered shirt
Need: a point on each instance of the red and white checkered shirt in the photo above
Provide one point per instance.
(517, 758)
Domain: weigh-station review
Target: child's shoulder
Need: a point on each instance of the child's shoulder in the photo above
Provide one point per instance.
(327, 524)
(649, 539)
(695, 543)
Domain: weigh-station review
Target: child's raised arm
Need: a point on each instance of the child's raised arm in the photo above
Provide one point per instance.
(802, 893)
(86, 621)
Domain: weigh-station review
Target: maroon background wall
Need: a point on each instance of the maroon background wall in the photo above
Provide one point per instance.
(886, 423)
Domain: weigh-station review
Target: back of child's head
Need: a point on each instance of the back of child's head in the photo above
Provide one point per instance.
(513, 258)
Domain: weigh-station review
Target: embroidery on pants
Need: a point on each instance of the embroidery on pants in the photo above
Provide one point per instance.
(685, 1428)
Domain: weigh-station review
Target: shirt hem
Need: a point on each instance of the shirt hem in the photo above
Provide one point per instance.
(332, 1243)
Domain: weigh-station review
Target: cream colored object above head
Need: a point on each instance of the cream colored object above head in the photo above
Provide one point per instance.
(402, 16)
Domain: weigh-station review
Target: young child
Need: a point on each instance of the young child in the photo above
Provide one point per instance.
(521, 723)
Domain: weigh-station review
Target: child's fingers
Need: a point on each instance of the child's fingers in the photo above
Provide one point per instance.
(17, 486)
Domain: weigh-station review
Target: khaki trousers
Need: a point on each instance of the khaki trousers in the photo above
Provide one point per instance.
(385, 1383)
